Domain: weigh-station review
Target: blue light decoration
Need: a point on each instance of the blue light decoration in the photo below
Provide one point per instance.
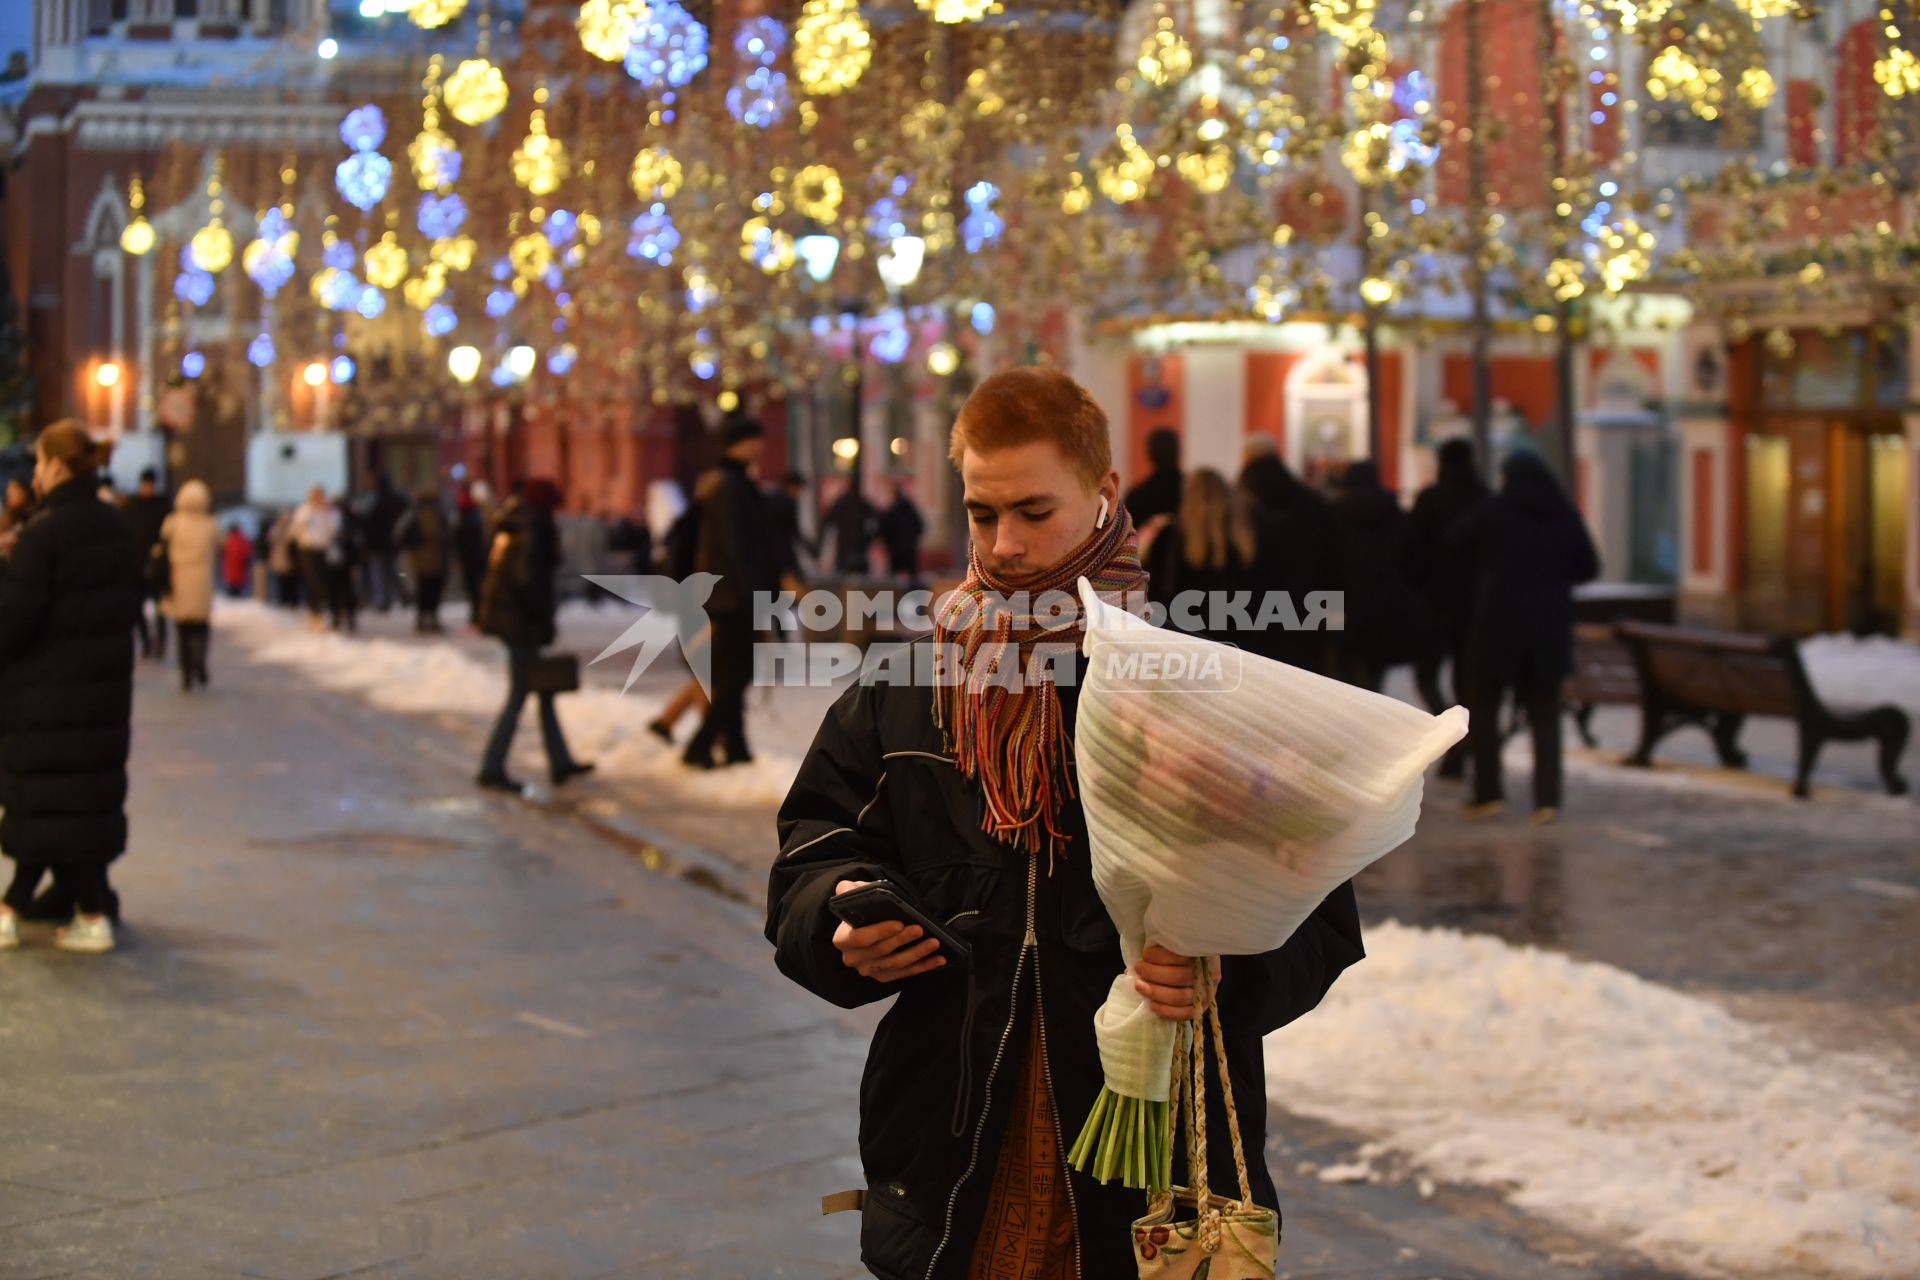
(653, 236)
(760, 41)
(441, 217)
(341, 370)
(561, 358)
(669, 47)
(760, 98)
(821, 326)
(340, 291)
(500, 302)
(274, 224)
(340, 255)
(363, 178)
(884, 220)
(889, 346)
(501, 375)
(364, 129)
(260, 351)
(194, 286)
(439, 320)
(554, 278)
(981, 317)
(982, 226)
(560, 228)
(503, 269)
(192, 364)
(372, 303)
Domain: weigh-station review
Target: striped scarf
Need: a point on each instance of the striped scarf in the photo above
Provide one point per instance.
(1013, 741)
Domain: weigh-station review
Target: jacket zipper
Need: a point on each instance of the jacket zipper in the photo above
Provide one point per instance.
(1046, 1065)
(1031, 943)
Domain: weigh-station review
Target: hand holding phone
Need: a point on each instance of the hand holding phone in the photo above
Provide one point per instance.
(885, 937)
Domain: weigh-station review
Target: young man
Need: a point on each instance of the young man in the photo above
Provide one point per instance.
(980, 1076)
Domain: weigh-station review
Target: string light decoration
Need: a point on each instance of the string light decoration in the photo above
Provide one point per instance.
(385, 264)
(212, 245)
(363, 179)
(653, 236)
(441, 217)
(429, 14)
(668, 46)
(433, 155)
(540, 162)
(655, 174)
(364, 128)
(269, 258)
(476, 92)
(759, 41)
(760, 99)
(531, 256)
(832, 46)
(1165, 57)
(953, 12)
(817, 192)
(1710, 65)
(137, 237)
(455, 253)
(982, 226)
(1124, 168)
(606, 27)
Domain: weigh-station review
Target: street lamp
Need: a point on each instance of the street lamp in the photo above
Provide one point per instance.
(900, 264)
(314, 374)
(520, 362)
(108, 374)
(819, 251)
(464, 364)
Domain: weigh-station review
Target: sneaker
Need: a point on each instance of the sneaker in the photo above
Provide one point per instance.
(9, 931)
(1545, 815)
(1482, 809)
(500, 782)
(92, 935)
(660, 730)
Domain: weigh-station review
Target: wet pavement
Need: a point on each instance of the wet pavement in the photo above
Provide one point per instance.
(367, 1021)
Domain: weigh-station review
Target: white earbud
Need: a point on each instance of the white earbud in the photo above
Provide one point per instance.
(1100, 521)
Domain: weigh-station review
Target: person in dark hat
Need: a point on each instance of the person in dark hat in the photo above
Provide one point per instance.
(735, 544)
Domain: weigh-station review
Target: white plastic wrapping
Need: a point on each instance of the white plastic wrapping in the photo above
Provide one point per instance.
(1226, 796)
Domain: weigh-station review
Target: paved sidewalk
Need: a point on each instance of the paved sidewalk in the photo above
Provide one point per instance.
(368, 1022)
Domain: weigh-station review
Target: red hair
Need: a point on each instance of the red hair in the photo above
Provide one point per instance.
(1021, 406)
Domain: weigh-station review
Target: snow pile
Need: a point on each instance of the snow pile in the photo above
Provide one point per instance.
(1865, 671)
(414, 679)
(1619, 1107)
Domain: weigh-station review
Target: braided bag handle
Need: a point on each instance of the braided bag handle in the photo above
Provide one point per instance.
(1190, 1059)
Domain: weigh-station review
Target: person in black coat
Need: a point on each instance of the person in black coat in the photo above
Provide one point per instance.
(783, 517)
(470, 548)
(1296, 552)
(1373, 551)
(145, 512)
(423, 535)
(901, 528)
(517, 606)
(1439, 589)
(1206, 554)
(1524, 551)
(733, 544)
(852, 523)
(69, 595)
(1159, 494)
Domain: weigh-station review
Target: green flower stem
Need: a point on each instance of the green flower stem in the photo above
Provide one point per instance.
(1125, 1138)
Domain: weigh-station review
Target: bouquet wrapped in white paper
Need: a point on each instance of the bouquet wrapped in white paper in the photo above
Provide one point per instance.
(1226, 796)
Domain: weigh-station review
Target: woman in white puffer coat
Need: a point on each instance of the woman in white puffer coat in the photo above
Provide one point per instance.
(192, 539)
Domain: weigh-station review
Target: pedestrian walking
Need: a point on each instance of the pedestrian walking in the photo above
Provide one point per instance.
(1158, 496)
(517, 607)
(314, 526)
(343, 558)
(283, 564)
(470, 548)
(377, 518)
(901, 528)
(236, 562)
(427, 543)
(1440, 589)
(973, 1079)
(68, 599)
(1296, 552)
(851, 523)
(1524, 550)
(191, 536)
(733, 545)
(682, 544)
(145, 512)
(1204, 555)
(1379, 594)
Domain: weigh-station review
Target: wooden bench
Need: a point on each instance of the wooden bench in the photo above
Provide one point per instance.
(1717, 679)
(1603, 672)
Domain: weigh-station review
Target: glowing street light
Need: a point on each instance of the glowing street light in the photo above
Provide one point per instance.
(819, 251)
(108, 374)
(900, 264)
(520, 362)
(464, 363)
(314, 374)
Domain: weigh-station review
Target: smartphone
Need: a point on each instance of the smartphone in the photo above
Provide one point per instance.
(881, 901)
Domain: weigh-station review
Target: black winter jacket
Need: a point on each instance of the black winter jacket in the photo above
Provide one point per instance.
(69, 597)
(878, 797)
(517, 604)
(736, 541)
